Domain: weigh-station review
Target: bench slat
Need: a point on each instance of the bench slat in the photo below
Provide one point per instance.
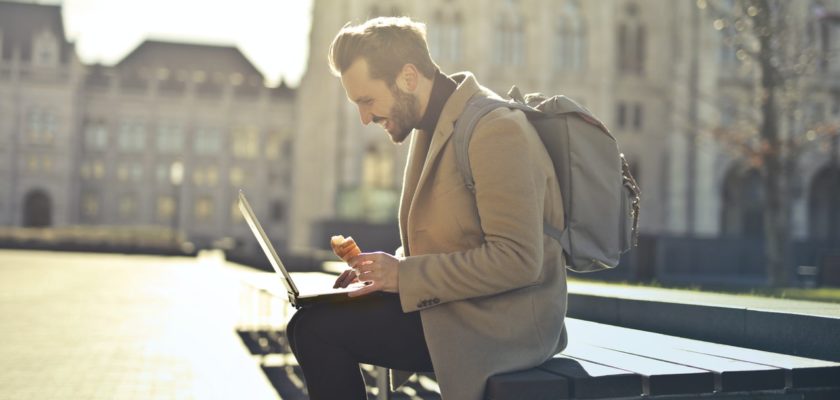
(803, 372)
(594, 381)
(659, 377)
(731, 374)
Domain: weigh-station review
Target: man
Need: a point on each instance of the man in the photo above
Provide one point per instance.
(476, 288)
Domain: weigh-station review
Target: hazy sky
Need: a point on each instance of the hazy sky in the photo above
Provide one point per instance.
(273, 34)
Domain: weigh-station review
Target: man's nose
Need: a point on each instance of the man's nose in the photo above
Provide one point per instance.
(365, 115)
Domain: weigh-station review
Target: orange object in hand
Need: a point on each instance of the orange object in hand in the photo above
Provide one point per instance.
(345, 248)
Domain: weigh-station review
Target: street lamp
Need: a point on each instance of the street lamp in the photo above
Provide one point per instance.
(176, 177)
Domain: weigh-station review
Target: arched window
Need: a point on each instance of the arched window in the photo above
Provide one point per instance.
(743, 203)
(570, 38)
(631, 38)
(37, 209)
(823, 201)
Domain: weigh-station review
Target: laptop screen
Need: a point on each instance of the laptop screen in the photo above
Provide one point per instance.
(257, 229)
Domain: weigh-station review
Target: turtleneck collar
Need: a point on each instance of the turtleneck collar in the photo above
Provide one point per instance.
(442, 87)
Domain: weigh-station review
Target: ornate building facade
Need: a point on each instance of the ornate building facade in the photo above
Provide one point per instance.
(165, 137)
(661, 74)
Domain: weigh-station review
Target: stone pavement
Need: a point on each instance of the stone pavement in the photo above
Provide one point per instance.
(94, 326)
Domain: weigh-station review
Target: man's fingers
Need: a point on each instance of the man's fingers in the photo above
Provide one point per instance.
(339, 282)
(346, 278)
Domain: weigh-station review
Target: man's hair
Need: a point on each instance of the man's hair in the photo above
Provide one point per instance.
(387, 43)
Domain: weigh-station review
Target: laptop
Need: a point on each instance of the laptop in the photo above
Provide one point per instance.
(297, 299)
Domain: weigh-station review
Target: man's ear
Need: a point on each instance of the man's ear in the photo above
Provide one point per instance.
(408, 77)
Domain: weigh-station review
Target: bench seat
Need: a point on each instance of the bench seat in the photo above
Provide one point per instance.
(609, 362)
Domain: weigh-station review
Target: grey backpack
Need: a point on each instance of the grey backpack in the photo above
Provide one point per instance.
(600, 196)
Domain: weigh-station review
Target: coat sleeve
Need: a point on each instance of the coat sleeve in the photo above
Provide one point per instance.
(510, 191)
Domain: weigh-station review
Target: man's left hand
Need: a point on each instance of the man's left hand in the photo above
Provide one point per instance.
(379, 270)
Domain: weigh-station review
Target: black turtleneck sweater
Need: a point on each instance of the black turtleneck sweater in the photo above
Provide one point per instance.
(442, 87)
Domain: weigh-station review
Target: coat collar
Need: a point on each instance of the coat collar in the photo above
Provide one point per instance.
(425, 147)
(454, 107)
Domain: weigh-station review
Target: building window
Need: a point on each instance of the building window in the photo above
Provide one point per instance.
(570, 38)
(289, 147)
(130, 172)
(90, 205)
(621, 115)
(127, 206)
(273, 146)
(630, 116)
(45, 49)
(237, 177)
(85, 171)
(207, 141)
(385, 10)
(631, 42)
(509, 39)
(203, 209)
(137, 172)
(96, 135)
(162, 173)
(132, 136)
(122, 172)
(246, 142)
(278, 211)
(42, 127)
(165, 208)
(32, 163)
(377, 168)
(205, 176)
(637, 117)
(445, 36)
(743, 203)
(170, 138)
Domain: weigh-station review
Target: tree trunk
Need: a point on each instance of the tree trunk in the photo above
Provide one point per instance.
(776, 213)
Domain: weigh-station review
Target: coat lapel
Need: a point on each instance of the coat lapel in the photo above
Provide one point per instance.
(417, 151)
(467, 87)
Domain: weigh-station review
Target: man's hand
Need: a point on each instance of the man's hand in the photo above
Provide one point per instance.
(380, 272)
(346, 278)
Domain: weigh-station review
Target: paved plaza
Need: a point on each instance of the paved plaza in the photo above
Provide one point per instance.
(96, 326)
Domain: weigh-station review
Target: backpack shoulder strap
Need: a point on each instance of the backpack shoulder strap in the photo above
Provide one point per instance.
(464, 126)
(476, 108)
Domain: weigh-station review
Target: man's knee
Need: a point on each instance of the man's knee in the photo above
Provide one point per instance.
(292, 327)
(303, 326)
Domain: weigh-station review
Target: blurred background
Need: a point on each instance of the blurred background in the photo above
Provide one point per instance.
(129, 126)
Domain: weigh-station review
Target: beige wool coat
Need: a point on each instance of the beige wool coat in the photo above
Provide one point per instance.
(489, 285)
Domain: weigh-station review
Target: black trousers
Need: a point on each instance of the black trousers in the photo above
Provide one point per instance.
(330, 340)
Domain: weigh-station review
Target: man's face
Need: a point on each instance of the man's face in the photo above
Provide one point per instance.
(387, 105)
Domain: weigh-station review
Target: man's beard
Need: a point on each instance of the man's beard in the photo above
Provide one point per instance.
(404, 115)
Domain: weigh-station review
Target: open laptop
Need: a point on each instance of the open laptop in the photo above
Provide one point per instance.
(298, 300)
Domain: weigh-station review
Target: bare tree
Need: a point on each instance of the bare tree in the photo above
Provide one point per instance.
(775, 41)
